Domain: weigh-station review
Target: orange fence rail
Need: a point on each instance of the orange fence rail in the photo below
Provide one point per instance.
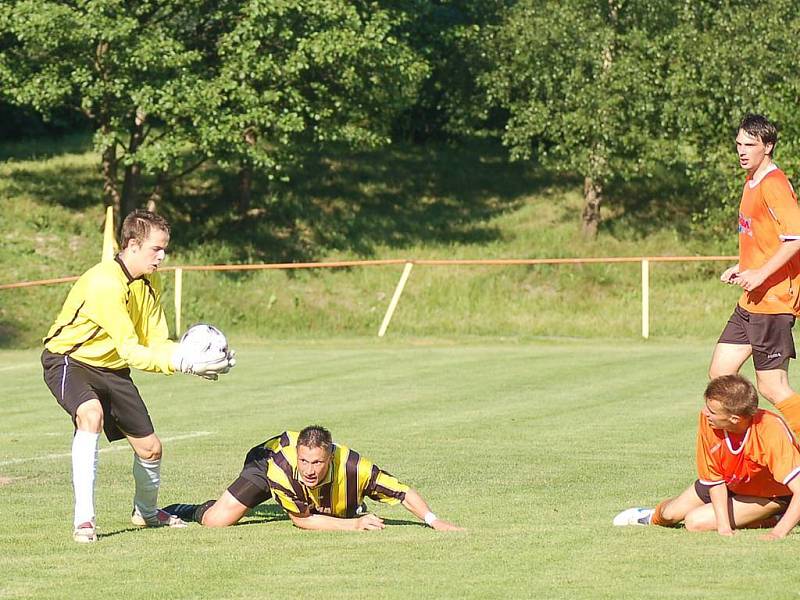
(408, 265)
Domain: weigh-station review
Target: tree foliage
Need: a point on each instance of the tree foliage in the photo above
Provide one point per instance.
(583, 84)
(727, 60)
(170, 84)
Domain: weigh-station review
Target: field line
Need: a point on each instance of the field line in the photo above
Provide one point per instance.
(117, 448)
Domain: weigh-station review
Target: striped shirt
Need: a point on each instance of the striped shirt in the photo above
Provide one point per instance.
(350, 479)
(114, 321)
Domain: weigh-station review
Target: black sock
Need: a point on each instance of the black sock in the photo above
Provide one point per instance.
(182, 511)
(201, 510)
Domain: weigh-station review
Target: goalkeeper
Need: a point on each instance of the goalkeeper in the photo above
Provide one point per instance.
(113, 320)
(320, 485)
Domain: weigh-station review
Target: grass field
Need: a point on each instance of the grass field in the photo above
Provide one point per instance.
(533, 446)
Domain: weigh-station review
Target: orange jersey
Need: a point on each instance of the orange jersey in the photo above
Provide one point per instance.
(769, 216)
(762, 464)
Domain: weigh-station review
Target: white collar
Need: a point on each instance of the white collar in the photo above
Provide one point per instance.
(754, 182)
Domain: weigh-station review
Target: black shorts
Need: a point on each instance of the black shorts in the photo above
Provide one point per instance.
(251, 487)
(770, 336)
(702, 491)
(73, 383)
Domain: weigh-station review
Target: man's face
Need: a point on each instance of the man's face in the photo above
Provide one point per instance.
(718, 417)
(146, 258)
(751, 151)
(312, 464)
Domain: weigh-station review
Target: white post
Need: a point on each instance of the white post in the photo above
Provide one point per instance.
(645, 298)
(395, 298)
(178, 293)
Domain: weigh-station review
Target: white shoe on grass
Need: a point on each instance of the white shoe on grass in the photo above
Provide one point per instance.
(160, 519)
(634, 516)
(85, 533)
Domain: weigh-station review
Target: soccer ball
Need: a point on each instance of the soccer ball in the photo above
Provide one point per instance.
(205, 339)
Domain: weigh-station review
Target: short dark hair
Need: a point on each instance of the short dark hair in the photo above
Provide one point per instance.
(758, 126)
(138, 225)
(316, 436)
(735, 393)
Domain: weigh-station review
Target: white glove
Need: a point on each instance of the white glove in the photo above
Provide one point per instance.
(208, 365)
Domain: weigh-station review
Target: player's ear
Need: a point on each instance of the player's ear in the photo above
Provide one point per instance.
(735, 419)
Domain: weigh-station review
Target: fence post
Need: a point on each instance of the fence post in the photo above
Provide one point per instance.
(178, 294)
(645, 298)
(395, 298)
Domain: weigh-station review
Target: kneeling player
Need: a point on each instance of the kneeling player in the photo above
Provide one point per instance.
(747, 465)
(320, 485)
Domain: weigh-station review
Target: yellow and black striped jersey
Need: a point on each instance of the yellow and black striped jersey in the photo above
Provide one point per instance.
(114, 321)
(349, 480)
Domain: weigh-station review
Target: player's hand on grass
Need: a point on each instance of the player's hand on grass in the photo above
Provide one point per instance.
(369, 522)
(726, 531)
(770, 537)
(440, 525)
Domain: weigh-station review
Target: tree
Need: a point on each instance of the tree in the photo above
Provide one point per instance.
(583, 83)
(298, 75)
(121, 64)
(171, 84)
(730, 59)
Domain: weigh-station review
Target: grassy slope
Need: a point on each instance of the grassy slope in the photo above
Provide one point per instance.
(532, 446)
(433, 202)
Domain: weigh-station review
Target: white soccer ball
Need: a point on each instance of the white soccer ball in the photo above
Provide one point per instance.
(205, 339)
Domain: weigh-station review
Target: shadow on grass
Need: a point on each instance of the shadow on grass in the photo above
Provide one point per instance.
(75, 187)
(646, 205)
(264, 513)
(397, 197)
(42, 147)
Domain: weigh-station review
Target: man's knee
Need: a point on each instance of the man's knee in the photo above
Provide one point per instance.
(89, 416)
(147, 448)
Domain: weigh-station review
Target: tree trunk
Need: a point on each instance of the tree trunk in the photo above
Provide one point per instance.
(245, 188)
(111, 195)
(130, 185)
(158, 192)
(246, 174)
(592, 197)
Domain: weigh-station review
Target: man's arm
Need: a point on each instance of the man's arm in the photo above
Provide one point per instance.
(719, 501)
(752, 278)
(366, 522)
(791, 517)
(415, 504)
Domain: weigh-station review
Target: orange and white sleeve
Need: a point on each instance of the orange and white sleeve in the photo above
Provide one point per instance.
(782, 204)
(781, 454)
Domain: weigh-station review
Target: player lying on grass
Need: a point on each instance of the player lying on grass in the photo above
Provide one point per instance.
(747, 467)
(321, 485)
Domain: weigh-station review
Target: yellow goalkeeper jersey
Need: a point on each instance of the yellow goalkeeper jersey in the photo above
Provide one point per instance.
(349, 480)
(114, 321)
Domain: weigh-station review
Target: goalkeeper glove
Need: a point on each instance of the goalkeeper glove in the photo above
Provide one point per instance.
(208, 365)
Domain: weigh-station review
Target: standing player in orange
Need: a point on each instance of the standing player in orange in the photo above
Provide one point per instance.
(768, 271)
(748, 464)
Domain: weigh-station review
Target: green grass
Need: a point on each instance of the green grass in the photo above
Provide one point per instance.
(436, 201)
(533, 446)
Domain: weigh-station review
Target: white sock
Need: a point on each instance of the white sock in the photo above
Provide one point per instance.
(147, 474)
(85, 445)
